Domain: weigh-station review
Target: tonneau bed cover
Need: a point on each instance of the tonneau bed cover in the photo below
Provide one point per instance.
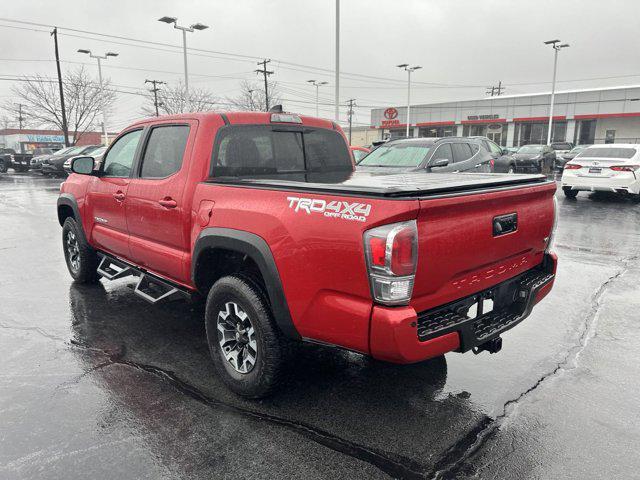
(397, 185)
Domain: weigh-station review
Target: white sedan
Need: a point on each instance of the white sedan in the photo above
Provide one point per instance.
(604, 168)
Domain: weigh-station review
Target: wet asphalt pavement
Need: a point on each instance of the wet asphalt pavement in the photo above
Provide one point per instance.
(95, 383)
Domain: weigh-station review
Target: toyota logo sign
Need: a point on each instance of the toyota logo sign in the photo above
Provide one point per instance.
(391, 113)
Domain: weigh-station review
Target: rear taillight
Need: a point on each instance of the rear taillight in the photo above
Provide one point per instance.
(392, 255)
(625, 168)
(572, 166)
(492, 162)
(552, 234)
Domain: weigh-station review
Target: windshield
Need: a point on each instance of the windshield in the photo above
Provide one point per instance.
(396, 155)
(530, 149)
(98, 151)
(578, 149)
(607, 152)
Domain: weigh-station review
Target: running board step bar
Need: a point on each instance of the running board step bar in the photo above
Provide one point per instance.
(155, 291)
(112, 268)
(150, 287)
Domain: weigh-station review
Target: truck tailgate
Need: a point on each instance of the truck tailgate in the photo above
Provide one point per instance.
(459, 253)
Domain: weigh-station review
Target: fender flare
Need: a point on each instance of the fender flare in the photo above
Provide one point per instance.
(68, 200)
(257, 249)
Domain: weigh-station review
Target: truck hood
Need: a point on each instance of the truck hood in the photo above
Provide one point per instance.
(385, 184)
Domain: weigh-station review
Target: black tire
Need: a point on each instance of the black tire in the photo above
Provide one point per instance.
(569, 193)
(3, 166)
(81, 259)
(512, 168)
(228, 299)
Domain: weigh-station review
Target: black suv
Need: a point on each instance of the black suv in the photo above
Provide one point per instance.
(448, 154)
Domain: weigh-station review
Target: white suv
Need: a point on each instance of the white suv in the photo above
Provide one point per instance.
(606, 168)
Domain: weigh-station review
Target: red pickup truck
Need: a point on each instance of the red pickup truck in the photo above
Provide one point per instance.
(264, 216)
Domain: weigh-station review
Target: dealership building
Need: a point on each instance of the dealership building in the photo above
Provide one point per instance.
(587, 116)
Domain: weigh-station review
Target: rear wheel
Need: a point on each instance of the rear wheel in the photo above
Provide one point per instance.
(3, 166)
(247, 348)
(569, 193)
(512, 168)
(81, 259)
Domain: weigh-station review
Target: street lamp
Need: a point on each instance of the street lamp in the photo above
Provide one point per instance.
(195, 26)
(408, 69)
(557, 48)
(317, 85)
(104, 115)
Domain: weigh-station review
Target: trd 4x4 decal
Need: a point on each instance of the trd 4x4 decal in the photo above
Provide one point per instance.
(334, 209)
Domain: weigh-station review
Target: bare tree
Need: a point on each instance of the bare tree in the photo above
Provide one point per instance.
(84, 101)
(252, 98)
(173, 100)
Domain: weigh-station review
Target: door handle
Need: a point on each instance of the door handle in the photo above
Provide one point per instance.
(119, 196)
(168, 202)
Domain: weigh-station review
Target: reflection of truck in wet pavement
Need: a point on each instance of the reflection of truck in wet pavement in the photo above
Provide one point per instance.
(264, 216)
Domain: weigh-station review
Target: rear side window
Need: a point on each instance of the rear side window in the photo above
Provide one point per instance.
(609, 152)
(461, 152)
(164, 151)
(267, 150)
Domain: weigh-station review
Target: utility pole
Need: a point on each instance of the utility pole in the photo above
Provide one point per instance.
(352, 103)
(155, 93)
(266, 73)
(20, 117)
(496, 91)
(65, 128)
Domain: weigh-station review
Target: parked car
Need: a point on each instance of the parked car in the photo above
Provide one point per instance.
(448, 154)
(55, 165)
(604, 168)
(263, 215)
(562, 148)
(498, 153)
(95, 154)
(36, 161)
(532, 159)
(561, 160)
(359, 153)
(6, 159)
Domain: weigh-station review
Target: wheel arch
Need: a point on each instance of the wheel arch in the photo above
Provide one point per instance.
(254, 248)
(67, 206)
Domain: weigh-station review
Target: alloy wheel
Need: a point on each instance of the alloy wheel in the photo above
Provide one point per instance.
(237, 338)
(73, 251)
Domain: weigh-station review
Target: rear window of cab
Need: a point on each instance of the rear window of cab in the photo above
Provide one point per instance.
(250, 150)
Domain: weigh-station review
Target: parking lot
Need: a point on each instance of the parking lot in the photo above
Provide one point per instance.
(95, 383)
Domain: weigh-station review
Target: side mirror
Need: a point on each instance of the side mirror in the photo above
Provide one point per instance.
(82, 165)
(439, 162)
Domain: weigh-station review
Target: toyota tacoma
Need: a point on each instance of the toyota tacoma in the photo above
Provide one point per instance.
(263, 215)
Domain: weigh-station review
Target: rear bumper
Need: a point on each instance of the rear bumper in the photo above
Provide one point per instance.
(400, 335)
(623, 182)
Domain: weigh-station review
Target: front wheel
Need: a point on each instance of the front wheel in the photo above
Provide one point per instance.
(81, 259)
(3, 166)
(512, 169)
(569, 193)
(247, 347)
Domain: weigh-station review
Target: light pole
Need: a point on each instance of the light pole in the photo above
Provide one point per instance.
(409, 69)
(317, 84)
(195, 26)
(337, 78)
(104, 115)
(557, 48)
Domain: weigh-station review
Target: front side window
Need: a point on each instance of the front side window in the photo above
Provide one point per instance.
(267, 150)
(444, 153)
(397, 155)
(164, 151)
(119, 159)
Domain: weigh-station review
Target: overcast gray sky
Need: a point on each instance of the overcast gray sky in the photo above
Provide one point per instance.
(464, 44)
